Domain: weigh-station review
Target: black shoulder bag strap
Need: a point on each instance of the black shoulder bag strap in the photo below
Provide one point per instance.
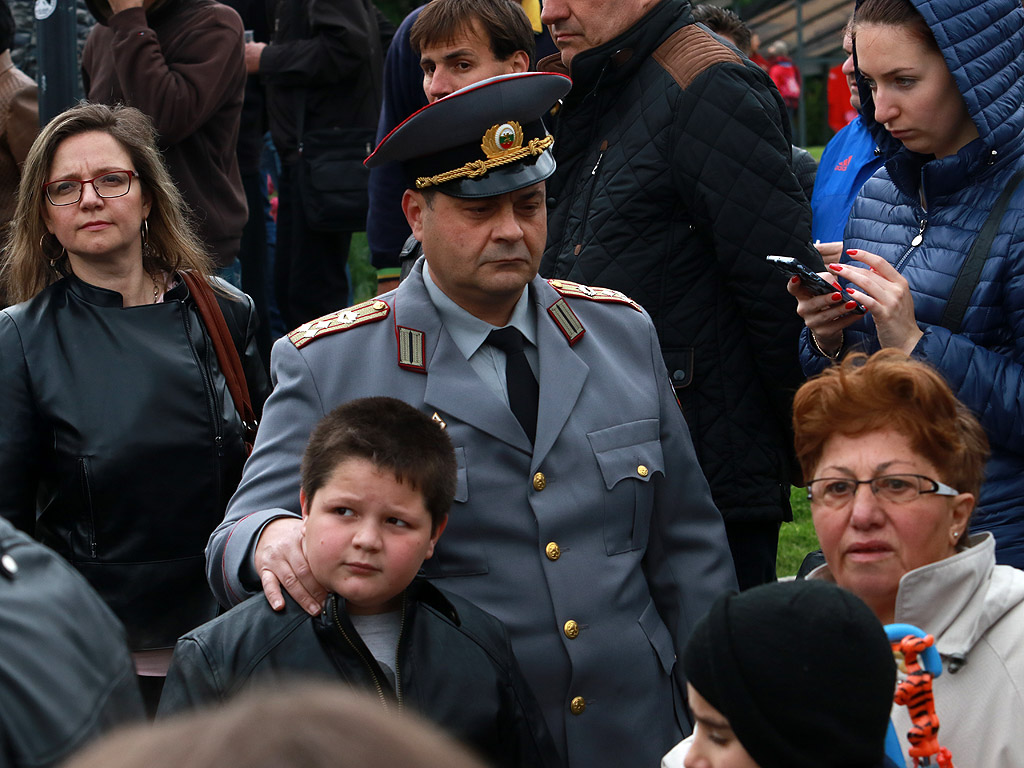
(970, 271)
(226, 351)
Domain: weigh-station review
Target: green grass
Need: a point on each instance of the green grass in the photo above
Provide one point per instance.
(816, 152)
(797, 538)
(361, 272)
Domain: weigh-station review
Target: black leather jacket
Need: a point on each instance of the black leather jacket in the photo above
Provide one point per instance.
(120, 445)
(65, 673)
(455, 666)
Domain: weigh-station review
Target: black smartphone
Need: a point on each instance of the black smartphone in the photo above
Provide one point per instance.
(810, 279)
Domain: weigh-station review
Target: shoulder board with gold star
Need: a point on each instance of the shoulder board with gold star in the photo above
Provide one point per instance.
(577, 291)
(361, 314)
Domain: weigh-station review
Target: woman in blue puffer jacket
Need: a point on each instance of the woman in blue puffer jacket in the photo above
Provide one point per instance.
(942, 86)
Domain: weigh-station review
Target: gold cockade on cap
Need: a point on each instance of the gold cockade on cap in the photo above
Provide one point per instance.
(502, 144)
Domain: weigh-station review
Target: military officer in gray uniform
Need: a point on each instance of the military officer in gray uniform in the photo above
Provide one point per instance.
(585, 525)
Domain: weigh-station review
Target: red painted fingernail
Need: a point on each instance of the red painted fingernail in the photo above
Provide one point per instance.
(836, 296)
(851, 304)
(837, 286)
(794, 280)
(851, 252)
(849, 290)
(835, 267)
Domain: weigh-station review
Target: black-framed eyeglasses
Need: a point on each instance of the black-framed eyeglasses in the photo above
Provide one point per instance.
(108, 184)
(899, 489)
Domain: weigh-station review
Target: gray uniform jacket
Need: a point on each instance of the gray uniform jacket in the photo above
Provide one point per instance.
(599, 547)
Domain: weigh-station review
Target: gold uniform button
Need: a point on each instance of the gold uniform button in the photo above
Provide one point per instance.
(553, 551)
(643, 471)
(577, 705)
(571, 629)
(539, 482)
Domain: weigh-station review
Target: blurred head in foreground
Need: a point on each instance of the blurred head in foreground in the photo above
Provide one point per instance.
(309, 725)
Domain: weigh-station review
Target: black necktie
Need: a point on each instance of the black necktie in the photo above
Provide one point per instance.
(523, 392)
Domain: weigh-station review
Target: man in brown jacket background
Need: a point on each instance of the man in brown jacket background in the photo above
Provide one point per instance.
(182, 63)
(19, 116)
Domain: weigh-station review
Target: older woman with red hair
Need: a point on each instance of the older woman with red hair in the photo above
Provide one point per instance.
(894, 465)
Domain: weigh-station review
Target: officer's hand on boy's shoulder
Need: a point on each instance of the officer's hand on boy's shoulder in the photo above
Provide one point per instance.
(280, 562)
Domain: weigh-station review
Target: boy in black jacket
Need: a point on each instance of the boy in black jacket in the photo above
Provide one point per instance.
(378, 479)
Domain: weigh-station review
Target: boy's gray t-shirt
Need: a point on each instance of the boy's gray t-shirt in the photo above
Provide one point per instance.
(379, 632)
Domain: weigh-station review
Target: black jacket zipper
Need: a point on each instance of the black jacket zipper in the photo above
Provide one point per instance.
(206, 373)
(362, 657)
(398, 651)
(83, 475)
(578, 247)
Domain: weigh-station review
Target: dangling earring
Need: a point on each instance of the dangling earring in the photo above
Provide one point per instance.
(54, 260)
(147, 252)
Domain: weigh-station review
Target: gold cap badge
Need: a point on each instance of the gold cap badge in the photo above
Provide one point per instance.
(502, 144)
(503, 138)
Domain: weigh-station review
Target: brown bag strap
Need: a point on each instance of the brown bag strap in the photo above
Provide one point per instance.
(224, 345)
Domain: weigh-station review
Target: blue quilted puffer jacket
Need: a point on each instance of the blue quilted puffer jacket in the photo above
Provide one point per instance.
(983, 44)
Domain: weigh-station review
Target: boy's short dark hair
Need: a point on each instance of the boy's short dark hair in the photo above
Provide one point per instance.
(726, 23)
(503, 22)
(393, 436)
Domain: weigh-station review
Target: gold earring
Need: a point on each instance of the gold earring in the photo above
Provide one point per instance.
(145, 232)
(53, 259)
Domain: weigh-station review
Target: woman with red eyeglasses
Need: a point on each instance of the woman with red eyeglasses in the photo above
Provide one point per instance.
(120, 443)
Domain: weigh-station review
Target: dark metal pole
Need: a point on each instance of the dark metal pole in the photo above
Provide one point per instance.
(57, 55)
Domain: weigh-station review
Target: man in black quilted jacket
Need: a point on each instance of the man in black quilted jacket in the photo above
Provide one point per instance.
(673, 184)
